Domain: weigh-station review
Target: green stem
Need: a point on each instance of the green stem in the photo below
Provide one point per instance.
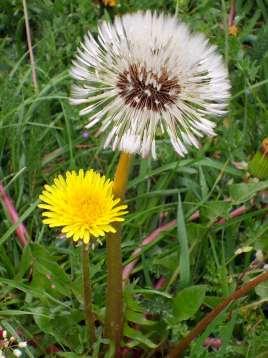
(114, 297)
(87, 295)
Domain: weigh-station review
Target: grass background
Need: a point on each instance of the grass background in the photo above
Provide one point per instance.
(42, 135)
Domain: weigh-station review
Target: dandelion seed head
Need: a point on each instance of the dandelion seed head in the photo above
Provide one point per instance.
(142, 89)
(145, 71)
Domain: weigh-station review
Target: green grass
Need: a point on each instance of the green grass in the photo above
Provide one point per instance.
(41, 135)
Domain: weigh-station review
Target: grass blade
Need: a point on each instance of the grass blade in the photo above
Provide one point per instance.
(185, 273)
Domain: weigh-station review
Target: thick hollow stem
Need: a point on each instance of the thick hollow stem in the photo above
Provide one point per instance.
(114, 297)
(87, 295)
(121, 175)
(202, 325)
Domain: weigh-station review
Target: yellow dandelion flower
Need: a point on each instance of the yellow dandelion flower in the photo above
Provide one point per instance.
(233, 30)
(82, 204)
(110, 3)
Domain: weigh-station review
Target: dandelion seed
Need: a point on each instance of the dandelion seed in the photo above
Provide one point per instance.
(259, 256)
(22, 344)
(82, 204)
(17, 352)
(146, 71)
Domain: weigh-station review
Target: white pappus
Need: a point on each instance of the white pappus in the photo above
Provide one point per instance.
(145, 72)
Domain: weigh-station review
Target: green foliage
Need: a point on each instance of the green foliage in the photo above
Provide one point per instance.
(243, 192)
(41, 135)
(214, 210)
(187, 302)
(262, 290)
(258, 166)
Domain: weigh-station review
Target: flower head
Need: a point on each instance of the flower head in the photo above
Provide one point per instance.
(82, 204)
(147, 71)
(233, 30)
(111, 3)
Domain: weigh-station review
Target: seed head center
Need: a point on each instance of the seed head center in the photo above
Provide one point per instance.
(143, 89)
